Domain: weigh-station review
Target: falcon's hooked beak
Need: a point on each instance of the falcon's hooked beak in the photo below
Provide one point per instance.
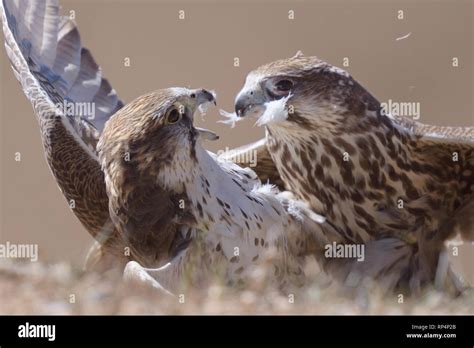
(255, 100)
(203, 96)
(251, 98)
(203, 99)
(250, 101)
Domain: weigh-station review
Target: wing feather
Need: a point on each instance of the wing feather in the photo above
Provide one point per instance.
(46, 56)
(264, 167)
(437, 133)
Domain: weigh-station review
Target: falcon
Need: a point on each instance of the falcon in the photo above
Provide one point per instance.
(231, 219)
(58, 75)
(157, 172)
(397, 186)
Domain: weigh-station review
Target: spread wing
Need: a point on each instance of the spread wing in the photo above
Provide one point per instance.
(72, 101)
(264, 166)
(437, 133)
(56, 73)
(450, 148)
(462, 222)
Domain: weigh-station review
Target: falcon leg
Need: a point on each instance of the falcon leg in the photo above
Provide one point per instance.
(458, 283)
(442, 271)
(166, 278)
(136, 274)
(446, 278)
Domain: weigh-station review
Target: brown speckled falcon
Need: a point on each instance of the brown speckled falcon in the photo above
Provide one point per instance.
(139, 208)
(400, 187)
(157, 172)
(72, 101)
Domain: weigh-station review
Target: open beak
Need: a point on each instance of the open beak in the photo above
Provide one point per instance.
(203, 98)
(207, 134)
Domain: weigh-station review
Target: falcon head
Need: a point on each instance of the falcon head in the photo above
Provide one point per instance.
(155, 132)
(312, 94)
(148, 144)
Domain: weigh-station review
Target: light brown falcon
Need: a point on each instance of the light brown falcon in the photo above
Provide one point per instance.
(399, 187)
(72, 101)
(157, 172)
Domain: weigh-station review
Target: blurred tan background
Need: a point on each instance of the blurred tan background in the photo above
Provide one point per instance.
(199, 51)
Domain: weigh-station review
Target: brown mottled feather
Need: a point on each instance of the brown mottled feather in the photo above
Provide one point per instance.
(53, 68)
(265, 167)
(340, 153)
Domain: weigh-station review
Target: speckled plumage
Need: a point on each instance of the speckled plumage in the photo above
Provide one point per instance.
(338, 152)
(53, 68)
(126, 207)
(228, 217)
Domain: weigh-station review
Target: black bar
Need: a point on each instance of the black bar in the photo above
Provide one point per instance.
(287, 330)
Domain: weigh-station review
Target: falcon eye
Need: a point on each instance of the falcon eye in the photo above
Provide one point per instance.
(284, 85)
(173, 116)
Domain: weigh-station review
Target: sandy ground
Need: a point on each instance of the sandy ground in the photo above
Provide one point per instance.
(35, 288)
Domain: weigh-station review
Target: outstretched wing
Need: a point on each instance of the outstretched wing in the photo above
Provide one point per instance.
(462, 222)
(450, 148)
(70, 99)
(72, 102)
(256, 156)
(442, 134)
